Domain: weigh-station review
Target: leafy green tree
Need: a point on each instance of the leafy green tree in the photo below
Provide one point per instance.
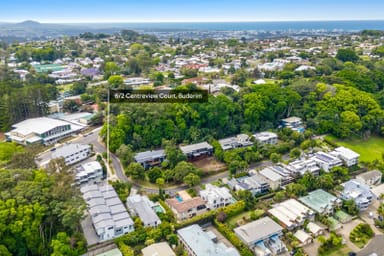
(115, 81)
(350, 207)
(181, 170)
(275, 157)
(78, 88)
(248, 198)
(191, 179)
(279, 196)
(347, 54)
(110, 68)
(174, 155)
(71, 106)
(154, 173)
(136, 171)
(125, 154)
(295, 153)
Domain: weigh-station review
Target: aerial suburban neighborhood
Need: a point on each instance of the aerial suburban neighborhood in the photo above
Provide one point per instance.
(284, 155)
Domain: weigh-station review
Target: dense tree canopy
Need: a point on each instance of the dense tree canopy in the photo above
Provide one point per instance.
(35, 207)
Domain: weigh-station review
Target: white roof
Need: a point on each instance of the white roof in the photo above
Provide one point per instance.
(38, 125)
(158, 249)
(347, 153)
(290, 211)
(192, 147)
(264, 135)
(270, 174)
(314, 228)
(91, 166)
(302, 236)
(69, 149)
(258, 230)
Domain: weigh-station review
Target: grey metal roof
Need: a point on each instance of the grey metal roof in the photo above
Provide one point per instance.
(105, 207)
(201, 244)
(192, 147)
(258, 230)
(39, 125)
(149, 155)
(69, 149)
(141, 206)
(270, 174)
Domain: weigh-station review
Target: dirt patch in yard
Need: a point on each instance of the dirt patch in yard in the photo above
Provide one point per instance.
(209, 165)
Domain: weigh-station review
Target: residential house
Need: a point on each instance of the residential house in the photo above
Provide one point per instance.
(158, 249)
(303, 237)
(72, 153)
(326, 161)
(216, 197)
(256, 184)
(109, 216)
(198, 150)
(136, 81)
(185, 209)
(240, 141)
(150, 158)
(291, 213)
(349, 157)
(321, 202)
(302, 166)
(276, 176)
(262, 236)
(294, 123)
(359, 192)
(141, 206)
(269, 138)
(197, 242)
(91, 172)
(370, 178)
(315, 229)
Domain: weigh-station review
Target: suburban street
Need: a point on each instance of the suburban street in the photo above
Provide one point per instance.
(375, 246)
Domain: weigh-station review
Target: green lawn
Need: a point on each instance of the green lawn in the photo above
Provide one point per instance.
(343, 251)
(369, 150)
(7, 150)
(64, 87)
(232, 221)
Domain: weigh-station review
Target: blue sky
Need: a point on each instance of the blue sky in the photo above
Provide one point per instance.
(72, 11)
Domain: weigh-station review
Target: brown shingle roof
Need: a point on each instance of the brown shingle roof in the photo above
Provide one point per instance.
(184, 206)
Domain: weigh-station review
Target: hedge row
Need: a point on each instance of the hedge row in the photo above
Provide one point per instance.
(200, 219)
(234, 209)
(231, 236)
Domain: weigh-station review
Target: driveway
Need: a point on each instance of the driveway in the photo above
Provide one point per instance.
(346, 230)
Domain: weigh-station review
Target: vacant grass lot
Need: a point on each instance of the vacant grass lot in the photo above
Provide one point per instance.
(369, 150)
(343, 251)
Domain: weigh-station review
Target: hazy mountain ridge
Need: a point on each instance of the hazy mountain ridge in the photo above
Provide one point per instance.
(32, 30)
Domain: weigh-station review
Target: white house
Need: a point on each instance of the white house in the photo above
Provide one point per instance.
(90, 172)
(109, 216)
(141, 206)
(349, 157)
(72, 153)
(300, 167)
(216, 197)
(266, 137)
(326, 161)
(239, 141)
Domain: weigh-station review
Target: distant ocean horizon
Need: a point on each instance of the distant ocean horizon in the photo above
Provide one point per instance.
(349, 26)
